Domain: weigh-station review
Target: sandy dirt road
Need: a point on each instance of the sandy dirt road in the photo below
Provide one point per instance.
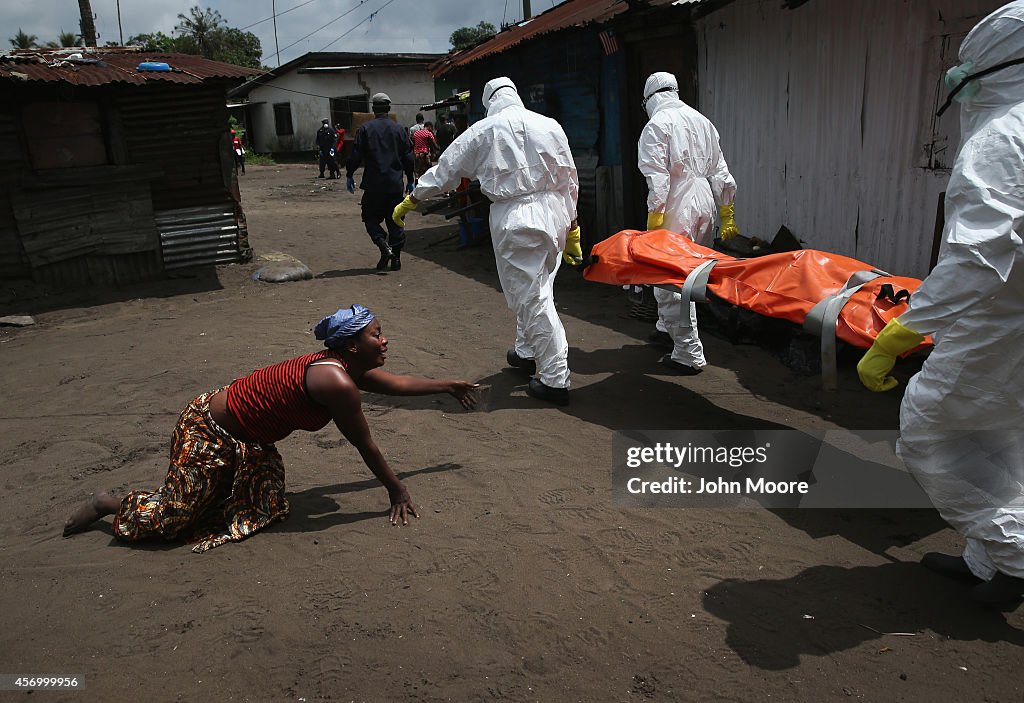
(521, 581)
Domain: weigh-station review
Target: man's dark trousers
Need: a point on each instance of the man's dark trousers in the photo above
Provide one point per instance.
(378, 207)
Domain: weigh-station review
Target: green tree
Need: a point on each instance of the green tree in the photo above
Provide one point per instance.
(465, 37)
(65, 39)
(199, 25)
(225, 44)
(160, 42)
(22, 40)
(232, 45)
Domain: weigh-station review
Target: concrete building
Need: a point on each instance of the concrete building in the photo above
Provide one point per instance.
(283, 108)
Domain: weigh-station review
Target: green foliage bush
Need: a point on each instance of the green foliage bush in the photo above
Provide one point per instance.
(252, 158)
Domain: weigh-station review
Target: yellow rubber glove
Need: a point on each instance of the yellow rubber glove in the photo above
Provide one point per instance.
(894, 339)
(655, 220)
(402, 209)
(728, 229)
(573, 253)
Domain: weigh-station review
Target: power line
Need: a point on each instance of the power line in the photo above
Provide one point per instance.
(267, 19)
(367, 19)
(361, 3)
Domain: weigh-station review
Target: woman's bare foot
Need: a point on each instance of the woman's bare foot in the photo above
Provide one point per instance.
(98, 506)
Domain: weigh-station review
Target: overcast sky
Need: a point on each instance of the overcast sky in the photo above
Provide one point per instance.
(416, 26)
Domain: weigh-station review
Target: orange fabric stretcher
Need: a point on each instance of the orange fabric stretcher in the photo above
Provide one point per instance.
(786, 285)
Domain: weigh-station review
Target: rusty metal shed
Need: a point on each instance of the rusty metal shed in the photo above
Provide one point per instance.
(111, 173)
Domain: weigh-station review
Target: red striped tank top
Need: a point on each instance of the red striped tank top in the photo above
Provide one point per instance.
(272, 402)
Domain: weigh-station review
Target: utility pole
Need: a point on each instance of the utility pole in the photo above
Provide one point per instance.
(120, 32)
(526, 10)
(277, 48)
(88, 24)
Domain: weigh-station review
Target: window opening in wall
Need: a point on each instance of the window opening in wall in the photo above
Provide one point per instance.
(283, 119)
(343, 107)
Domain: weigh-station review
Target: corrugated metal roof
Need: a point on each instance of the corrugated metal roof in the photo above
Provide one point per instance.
(105, 66)
(574, 13)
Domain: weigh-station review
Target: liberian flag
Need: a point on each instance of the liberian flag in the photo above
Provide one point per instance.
(608, 42)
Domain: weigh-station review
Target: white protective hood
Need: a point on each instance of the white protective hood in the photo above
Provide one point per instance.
(498, 94)
(660, 91)
(680, 156)
(994, 40)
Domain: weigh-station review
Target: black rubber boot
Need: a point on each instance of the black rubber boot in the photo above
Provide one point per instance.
(950, 566)
(385, 257)
(1001, 590)
(518, 362)
(396, 259)
(676, 367)
(558, 396)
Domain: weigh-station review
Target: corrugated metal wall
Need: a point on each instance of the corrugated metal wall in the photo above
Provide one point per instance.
(182, 134)
(166, 148)
(100, 270)
(74, 227)
(13, 263)
(826, 118)
(198, 236)
(179, 131)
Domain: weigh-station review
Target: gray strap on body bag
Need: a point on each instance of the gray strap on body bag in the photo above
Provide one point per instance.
(824, 316)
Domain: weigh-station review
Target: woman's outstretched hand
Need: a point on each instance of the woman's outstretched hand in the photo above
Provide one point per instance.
(401, 505)
(462, 391)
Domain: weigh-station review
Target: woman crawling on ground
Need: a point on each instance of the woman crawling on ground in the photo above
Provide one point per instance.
(226, 478)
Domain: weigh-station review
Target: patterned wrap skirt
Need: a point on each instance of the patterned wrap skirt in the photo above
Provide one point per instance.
(217, 489)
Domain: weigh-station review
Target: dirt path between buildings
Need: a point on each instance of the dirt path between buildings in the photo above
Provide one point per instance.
(522, 580)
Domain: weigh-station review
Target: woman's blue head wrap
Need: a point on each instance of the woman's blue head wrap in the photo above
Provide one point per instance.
(347, 322)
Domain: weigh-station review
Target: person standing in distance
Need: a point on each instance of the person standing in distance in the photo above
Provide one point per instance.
(382, 147)
(417, 126)
(686, 172)
(524, 165)
(325, 138)
(445, 132)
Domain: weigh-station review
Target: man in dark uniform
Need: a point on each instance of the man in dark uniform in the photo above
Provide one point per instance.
(384, 150)
(325, 138)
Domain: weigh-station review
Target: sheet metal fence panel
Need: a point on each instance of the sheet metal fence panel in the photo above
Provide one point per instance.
(823, 113)
(198, 236)
(107, 218)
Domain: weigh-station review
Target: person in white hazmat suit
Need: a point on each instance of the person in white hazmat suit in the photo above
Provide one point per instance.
(524, 166)
(686, 172)
(962, 417)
